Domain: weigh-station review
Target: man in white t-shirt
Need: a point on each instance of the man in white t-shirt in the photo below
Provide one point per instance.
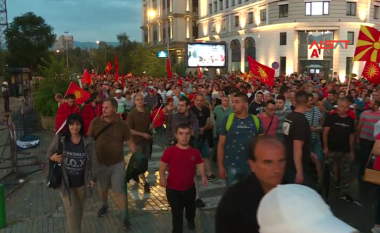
(120, 101)
(162, 92)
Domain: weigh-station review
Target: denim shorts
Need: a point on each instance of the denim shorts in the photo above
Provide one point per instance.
(235, 174)
(316, 148)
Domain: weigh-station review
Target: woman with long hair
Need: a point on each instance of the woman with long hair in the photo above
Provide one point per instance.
(79, 169)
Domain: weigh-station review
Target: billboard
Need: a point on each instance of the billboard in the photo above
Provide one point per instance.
(162, 54)
(206, 55)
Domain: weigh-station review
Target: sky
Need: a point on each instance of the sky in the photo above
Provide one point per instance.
(86, 20)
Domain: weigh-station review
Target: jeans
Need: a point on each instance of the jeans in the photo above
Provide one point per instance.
(377, 219)
(365, 151)
(74, 211)
(178, 200)
(235, 174)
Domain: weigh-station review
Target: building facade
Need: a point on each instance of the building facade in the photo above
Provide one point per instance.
(170, 22)
(287, 31)
(64, 42)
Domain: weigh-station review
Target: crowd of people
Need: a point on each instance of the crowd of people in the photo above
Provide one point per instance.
(266, 141)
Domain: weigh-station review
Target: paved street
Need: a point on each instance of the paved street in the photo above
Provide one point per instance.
(35, 208)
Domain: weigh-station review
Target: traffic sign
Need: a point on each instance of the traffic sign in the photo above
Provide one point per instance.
(275, 65)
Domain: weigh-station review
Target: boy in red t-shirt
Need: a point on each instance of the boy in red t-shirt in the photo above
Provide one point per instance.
(182, 160)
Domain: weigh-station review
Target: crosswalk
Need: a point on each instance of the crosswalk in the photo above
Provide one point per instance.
(156, 199)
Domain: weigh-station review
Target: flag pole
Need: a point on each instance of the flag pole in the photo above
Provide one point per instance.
(349, 77)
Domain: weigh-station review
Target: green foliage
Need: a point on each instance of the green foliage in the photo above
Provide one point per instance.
(28, 40)
(2, 62)
(145, 60)
(56, 80)
(180, 69)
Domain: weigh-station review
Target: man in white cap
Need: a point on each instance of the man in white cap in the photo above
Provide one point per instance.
(121, 103)
(296, 208)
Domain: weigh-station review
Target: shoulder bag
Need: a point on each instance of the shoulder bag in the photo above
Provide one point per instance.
(55, 175)
(104, 129)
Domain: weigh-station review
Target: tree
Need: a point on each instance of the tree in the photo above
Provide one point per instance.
(28, 39)
(56, 80)
(2, 62)
(145, 60)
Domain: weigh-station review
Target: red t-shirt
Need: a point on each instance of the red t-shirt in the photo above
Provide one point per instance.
(181, 163)
(376, 165)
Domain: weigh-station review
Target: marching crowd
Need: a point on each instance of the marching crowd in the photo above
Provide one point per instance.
(267, 143)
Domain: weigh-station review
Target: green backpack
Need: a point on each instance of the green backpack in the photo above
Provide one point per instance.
(231, 119)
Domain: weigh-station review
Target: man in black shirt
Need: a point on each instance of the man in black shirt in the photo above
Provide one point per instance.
(203, 115)
(297, 140)
(338, 140)
(257, 105)
(237, 209)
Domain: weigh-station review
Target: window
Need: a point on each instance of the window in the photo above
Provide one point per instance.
(210, 8)
(213, 27)
(283, 11)
(263, 15)
(317, 8)
(237, 21)
(224, 24)
(250, 17)
(227, 3)
(233, 3)
(282, 65)
(239, 1)
(282, 38)
(376, 12)
(349, 61)
(220, 4)
(195, 6)
(163, 5)
(146, 36)
(215, 6)
(350, 37)
(168, 5)
(351, 8)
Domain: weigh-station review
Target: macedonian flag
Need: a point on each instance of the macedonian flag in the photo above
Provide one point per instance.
(263, 73)
(81, 95)
(371, 72)
(368, 45)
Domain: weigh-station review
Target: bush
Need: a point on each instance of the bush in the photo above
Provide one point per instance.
(56, 80)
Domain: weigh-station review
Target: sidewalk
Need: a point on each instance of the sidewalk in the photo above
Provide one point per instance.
(35, 208)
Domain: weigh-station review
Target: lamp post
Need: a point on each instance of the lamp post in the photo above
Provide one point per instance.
(105, 49)
(67, 51)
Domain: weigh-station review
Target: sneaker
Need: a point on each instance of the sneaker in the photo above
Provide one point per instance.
(199, 203)
(146, 188)
(191, 225)
(102, 211)
(212, 177)
(126, 224)
(337, 184)
(347, 198)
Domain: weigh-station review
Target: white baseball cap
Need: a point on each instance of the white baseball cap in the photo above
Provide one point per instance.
(296, 208)
(118, 91)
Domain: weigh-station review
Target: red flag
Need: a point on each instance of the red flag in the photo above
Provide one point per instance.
(188, 79)
(371, 72)
(81, 95)
(169, 69)
(265, 74)
(108, 68)
(86, 78)
(200, 74)
(157, 117)
(116, 63)
(179, 81)
(367, 45)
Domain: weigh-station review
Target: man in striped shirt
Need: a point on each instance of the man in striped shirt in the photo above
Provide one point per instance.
(281, 112)
(315, 118)
(365, 135)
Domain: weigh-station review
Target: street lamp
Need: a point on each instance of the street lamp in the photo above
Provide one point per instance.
(67, 51)
(105, 49)
(57, 51)
(151, 14)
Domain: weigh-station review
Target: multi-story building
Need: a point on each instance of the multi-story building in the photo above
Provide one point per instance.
(64, 42)
(283, 30)
(170, 22)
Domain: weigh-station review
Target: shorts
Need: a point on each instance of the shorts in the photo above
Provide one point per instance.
(143, 147)
(205, 150)
(316, 148)
(112, 176)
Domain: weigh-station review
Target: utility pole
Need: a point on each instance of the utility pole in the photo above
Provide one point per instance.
(3, 22)
(67, 50)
